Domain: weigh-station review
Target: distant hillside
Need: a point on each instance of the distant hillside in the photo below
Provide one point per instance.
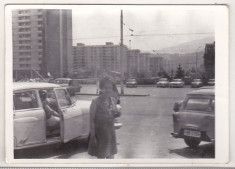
(187, 60)
(188, 47)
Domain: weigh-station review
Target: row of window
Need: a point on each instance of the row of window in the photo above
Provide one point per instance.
(25, 53)
(28, 29)
(28, 53)
(28, 41)
(28, 65)
(28, 59)
(29, 23)
(24, 17)
(28, 36)
(24, 65)
(27, 47)
(25, 36)
(24, 41)
(24, 47)
(28, 11)
(25, 59)
(24, 29)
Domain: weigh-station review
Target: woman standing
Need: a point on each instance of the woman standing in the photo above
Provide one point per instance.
(102, 142)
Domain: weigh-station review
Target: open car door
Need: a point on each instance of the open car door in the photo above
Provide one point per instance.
(71, 116)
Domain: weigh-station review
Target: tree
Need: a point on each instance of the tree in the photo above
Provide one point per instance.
(179, 73)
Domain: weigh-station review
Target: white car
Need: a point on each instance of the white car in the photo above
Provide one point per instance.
(163, 82)
(30, 129)
(177, 83)
(196, 83)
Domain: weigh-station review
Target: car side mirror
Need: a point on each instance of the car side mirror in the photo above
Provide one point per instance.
(177, 106)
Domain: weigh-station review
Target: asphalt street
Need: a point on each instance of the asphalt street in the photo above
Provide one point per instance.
(147, 124)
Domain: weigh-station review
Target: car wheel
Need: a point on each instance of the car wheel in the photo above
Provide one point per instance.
(192, 142)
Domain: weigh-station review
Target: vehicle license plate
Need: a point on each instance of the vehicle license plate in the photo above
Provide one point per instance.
(192, 133)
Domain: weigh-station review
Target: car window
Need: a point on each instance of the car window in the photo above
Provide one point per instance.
(57, 81)
(177, 80)
(75, 82)
(25, 100)
(198, 104)
(63, 97)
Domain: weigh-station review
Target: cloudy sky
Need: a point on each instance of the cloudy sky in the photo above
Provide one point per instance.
(154, 27)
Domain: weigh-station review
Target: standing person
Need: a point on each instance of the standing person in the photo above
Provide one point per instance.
(102, 142)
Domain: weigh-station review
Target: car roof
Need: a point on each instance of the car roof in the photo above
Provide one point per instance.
(203, 91)
(32, 85)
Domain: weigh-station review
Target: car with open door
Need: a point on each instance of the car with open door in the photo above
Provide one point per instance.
(194, 117)
(30, 126)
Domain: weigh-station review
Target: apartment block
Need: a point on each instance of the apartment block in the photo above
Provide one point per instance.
(133, 62)
(42, 42)
(100, 57)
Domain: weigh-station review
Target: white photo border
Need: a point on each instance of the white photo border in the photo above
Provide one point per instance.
(222, 100)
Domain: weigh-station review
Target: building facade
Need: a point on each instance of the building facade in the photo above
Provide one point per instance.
(133, 62)
(144, 63)
(99, 58)
(157, 65)
(42, 42)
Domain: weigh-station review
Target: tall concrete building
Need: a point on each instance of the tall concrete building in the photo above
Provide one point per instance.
(144, 62)
(98, 58)
(42, 42)
(133, 62)
(157, 65)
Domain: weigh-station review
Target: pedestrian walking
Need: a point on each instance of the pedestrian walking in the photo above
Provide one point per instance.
(102, 142)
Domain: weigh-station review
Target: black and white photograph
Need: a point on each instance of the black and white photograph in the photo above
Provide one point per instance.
(116, 82)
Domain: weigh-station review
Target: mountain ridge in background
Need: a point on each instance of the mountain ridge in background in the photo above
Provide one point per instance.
(188, 47)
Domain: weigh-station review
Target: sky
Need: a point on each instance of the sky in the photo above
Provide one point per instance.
(154, 27)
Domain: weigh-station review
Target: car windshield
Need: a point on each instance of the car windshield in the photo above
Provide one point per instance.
(177, 80)
(198, 104)
(196, 80)
(131, 80)
(163, 79)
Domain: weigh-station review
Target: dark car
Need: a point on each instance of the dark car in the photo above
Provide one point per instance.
(194, 118)
(196, 83)
(163, 82)
(72, 85)
(131, 83)
(211, 82)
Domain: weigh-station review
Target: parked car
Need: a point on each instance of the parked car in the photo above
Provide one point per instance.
(176, 83)
(196, 83)
(211, 82)
(194, 117)
(163, 82)
(131, 83)
(72, 85)
(30, 129)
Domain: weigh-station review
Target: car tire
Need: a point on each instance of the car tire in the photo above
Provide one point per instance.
(192, 142)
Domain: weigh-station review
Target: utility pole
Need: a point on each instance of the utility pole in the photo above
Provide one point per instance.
(121, 56)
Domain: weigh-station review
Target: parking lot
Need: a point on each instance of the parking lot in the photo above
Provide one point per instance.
(147, 124)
